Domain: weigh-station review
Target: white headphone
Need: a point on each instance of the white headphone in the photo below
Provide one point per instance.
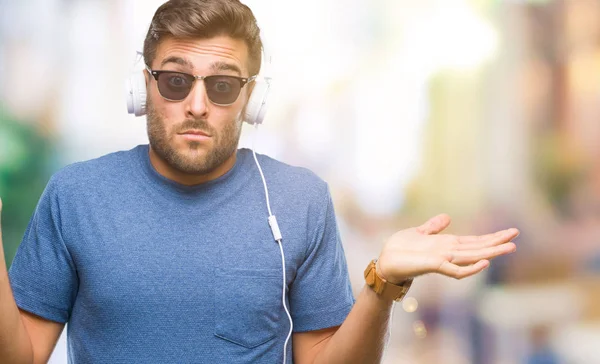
(255, 110)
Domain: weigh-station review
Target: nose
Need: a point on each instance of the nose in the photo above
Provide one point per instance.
(197, 102)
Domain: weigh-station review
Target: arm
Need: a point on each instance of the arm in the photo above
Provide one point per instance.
(360, 339)
(407, 254)
(24, 338)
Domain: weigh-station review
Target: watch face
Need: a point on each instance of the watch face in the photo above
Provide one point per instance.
(370, 275)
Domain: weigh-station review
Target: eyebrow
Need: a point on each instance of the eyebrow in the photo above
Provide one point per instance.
(215, 67)
(178, 60)
(224, 66)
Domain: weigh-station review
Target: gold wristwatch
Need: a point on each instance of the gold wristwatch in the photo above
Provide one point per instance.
(383, 287)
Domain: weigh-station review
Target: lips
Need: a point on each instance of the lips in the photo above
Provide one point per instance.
(194, 135)
(194, 132)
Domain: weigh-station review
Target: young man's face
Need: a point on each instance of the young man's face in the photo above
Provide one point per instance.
(195, 135)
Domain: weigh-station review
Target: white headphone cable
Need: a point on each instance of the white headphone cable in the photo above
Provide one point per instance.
(277, 235)
(389, 337)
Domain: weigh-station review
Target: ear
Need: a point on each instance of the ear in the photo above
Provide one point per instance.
(147, 76)
(249, 89)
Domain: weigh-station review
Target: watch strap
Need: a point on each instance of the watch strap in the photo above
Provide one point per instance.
(384, 288)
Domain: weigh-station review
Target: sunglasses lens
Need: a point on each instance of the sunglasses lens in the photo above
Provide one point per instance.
(222, 90)
(175, 86)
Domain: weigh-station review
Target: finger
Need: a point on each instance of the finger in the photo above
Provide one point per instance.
(463, 257)
(492, 240)
(512, 233)
(435, 224)
(458, 272)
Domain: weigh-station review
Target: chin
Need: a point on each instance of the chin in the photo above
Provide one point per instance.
(193, 155)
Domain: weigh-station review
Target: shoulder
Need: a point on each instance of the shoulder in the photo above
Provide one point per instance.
(293, 179)
(93, 173)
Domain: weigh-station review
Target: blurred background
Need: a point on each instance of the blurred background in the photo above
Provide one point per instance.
(488, 110)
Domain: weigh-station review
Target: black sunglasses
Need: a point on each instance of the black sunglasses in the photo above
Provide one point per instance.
(221, 90)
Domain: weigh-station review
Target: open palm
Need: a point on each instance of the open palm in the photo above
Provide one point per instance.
(420, 250)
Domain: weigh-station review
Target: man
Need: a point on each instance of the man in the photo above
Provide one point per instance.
(162, 254)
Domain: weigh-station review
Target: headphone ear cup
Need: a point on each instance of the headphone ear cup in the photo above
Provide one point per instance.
(257, 104)
(136, 93)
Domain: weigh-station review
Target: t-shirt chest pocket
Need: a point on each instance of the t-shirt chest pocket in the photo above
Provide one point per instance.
(248, 305)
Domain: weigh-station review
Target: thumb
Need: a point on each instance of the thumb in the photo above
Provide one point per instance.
(435, 225)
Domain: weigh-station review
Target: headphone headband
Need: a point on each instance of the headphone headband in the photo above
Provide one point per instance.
(267, 59)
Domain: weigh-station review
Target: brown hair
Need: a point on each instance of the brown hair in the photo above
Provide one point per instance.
(205, 19)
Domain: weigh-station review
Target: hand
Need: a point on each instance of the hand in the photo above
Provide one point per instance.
(420, 250)
(2, 262)
(0, 223)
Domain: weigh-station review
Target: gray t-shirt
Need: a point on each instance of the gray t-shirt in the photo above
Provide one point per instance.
(146, 270)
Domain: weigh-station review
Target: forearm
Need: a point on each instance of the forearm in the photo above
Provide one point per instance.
(15, 345)
(361, 338)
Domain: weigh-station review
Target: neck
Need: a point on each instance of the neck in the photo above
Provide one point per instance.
(167, 171)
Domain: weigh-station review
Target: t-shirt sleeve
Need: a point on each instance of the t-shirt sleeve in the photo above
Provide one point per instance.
(321, 295)
(42, 275)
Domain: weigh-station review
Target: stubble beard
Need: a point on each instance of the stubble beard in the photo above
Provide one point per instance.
(194, 159)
